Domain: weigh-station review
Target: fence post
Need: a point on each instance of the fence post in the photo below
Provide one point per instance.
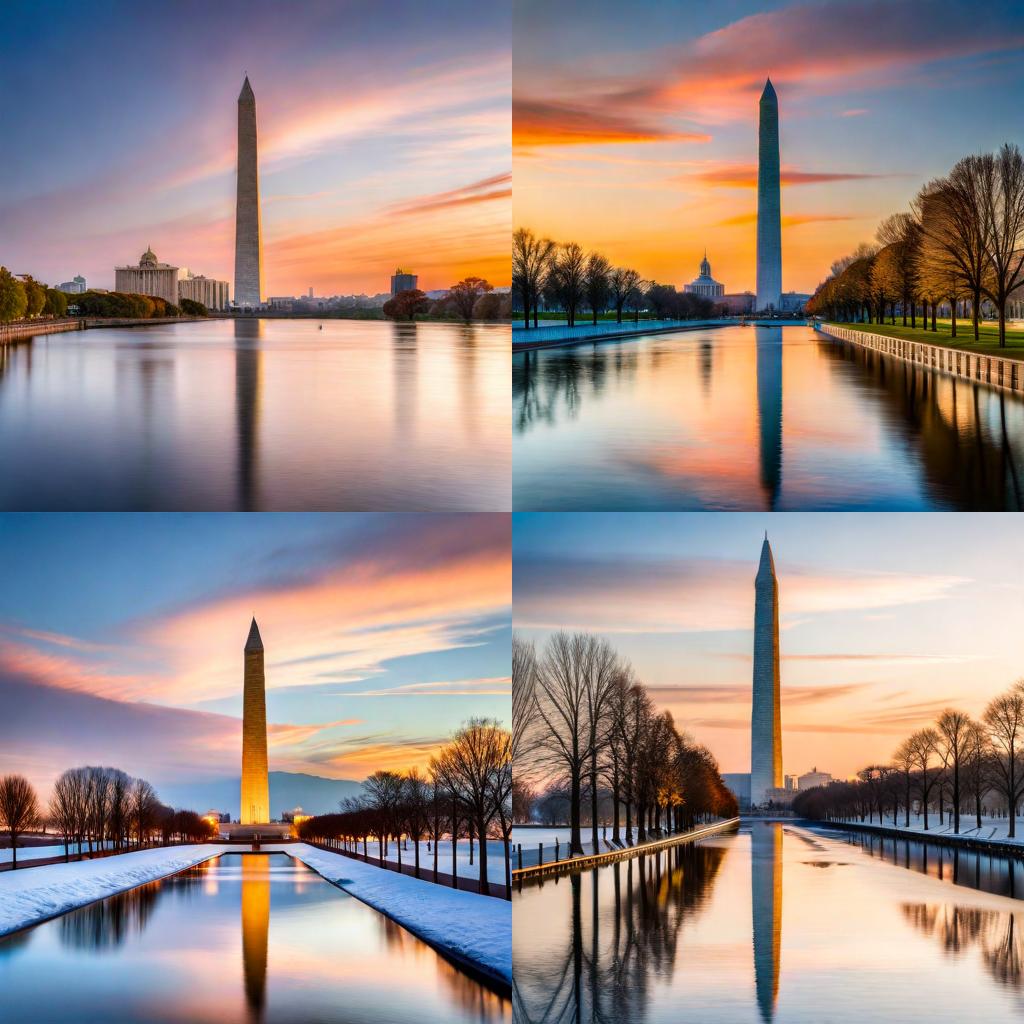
(540, 852)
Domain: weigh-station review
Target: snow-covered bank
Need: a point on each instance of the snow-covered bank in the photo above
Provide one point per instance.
(472, 929)
(995, 830)
(27, 853)
(495, 857)
(28, 897)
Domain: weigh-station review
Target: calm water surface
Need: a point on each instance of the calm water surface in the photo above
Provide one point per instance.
(258, 414)
(774, 923)
(756, 418)
(257, 938)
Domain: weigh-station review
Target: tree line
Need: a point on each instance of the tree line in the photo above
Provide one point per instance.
(959, 766)
(585, 728)
(470, 299)
(465, 792)
(959, 245)
(95, 808)
(22, 297)
(564, 276)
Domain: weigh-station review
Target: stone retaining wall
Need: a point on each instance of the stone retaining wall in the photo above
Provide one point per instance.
(994, 371)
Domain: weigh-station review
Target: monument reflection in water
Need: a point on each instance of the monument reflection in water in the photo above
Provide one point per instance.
(258, 415)
(756, 418)
(774, 923)
(244, 939)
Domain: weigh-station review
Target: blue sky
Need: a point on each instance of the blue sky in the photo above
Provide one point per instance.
(886, 619)
(384, 137)
(121, 638)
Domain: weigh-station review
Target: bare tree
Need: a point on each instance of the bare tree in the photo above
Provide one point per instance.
(954, 736)
(531, 259)
(19, 810)
(596, 285)
(566, 279)
(622, 283)
(924, 747)
(1004, 719)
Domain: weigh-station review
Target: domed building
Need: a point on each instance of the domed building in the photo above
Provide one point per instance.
(150, 277)
(705, 285)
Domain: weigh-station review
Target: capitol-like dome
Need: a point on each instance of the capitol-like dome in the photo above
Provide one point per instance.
(148, 258)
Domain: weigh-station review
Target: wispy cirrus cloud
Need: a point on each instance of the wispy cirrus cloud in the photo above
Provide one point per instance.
(496, 187)
(694, 594)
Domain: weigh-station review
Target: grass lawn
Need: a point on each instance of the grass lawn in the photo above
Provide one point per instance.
(987, 343)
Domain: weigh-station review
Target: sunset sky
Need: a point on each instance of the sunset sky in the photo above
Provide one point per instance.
(886, 619)
(121, 639)
(384, 139)
(635, 128)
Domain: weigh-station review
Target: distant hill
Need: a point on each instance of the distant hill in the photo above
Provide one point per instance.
(313, 793)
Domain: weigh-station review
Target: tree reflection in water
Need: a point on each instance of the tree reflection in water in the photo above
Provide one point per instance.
(996, 935)
(626, 922)
(106, 924)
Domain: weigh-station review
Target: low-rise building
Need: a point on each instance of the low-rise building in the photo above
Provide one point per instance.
(704, 284)
(73, 287)
(814, 778)
(150, 277)
(213, 294)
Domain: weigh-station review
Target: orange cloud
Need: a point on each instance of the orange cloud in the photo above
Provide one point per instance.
(745, 176)
(484, 191)
(788, 220)
(543, 123)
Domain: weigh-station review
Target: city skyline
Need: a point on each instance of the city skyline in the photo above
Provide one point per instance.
(359, 120)
(383, 635)
(884, 622)
(640, 140)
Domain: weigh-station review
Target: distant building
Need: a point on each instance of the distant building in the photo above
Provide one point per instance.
(791, 782)
(211, 293)
(814, 778)
(311, 291)
(738, 303)
(738, 783)
(73, 287)
(791, 302)
(284, 303)
(150, 277)
(704, 284)
(402, 281)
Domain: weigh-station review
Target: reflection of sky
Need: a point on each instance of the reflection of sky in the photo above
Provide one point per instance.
(848, 938)
(651, 119)
(384, 139)
(221, 941)
(886, 618)
(121, 641)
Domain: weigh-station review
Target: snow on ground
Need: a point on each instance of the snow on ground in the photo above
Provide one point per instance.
(26, 853)
(33, 895)
(495, 857)
(530, 837)
(474, 929)
(996, 829)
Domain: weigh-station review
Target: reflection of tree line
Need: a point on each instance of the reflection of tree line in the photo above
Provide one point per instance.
(975, 870)
(540, 381)
(624, 935)
(996, 935)
(967, 454)
(108, 923)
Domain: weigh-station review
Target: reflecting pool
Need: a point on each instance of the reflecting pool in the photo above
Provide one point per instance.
(773, 923)
(258, 415)
(756, 418)
(243, 938)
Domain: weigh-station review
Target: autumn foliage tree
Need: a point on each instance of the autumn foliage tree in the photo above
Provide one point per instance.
(406, 305)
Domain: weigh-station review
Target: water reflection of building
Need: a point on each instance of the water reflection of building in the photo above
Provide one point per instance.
(255, 931)
(248, 384)
(769, 409)
(405, 371)
(766, 901)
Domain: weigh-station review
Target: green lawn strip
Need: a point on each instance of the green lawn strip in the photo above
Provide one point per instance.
(987, 343)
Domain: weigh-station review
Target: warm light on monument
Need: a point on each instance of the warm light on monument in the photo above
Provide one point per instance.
(248, 233)
(255, 806)
(765, 719)
(769, 215)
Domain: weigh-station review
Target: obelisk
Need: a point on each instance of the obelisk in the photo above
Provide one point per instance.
(765, 721)
(769, 215)
(248, 236)
(255, 809)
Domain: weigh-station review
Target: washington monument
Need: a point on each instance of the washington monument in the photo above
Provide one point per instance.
(255, 786)
(765, 722)
(248, 237)
(769, 219)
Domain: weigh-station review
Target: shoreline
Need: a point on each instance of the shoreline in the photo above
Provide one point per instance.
(1002, 373)
(1009, 848)
(450, 915)
(593, 860)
